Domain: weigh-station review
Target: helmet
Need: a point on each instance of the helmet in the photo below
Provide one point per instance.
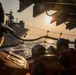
(62, 41)
(38, 50)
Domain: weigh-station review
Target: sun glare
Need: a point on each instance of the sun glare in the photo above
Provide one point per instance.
(48, 19)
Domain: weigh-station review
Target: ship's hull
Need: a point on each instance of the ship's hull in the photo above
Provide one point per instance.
(11, 40)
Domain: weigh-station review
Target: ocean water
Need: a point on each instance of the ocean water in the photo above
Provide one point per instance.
(25, 49)
(22, 49)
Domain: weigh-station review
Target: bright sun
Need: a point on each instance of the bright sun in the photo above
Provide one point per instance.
(48, 19)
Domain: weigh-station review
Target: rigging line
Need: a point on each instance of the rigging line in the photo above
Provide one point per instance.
(52, 31)
(69, 35)
(39, 35)
(64, 34)
(35, 35)
(43, 30)
(37, 28)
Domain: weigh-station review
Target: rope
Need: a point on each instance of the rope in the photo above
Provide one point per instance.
(46, 36)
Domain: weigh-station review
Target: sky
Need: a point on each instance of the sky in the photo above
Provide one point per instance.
(37, 26)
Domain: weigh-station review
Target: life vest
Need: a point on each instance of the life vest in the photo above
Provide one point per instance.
(71, 58)
(12, 64)
(49, 63)
(71, 54)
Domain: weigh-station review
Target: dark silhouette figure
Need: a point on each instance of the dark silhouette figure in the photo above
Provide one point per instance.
(47, 65)
(67, 57)
(10, 63)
